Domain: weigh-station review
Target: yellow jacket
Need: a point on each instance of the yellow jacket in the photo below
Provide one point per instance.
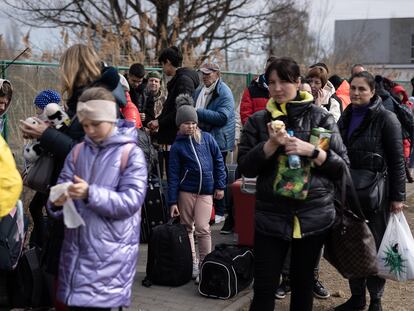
(10, 181)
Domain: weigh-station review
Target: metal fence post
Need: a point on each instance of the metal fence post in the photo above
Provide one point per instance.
(4, 131)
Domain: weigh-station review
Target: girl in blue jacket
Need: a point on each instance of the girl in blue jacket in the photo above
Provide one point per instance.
(196, 174)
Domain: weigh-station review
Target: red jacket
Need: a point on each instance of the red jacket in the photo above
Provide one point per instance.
(130, 112)
(255, 98)
(343, 93)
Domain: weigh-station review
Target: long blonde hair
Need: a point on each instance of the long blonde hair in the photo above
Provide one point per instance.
(79, 66)
(197, 135)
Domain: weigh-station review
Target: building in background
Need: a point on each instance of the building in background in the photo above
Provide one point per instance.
(385, 46)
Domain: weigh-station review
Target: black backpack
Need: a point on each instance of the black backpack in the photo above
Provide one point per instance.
(30, 284)
(170, 260)
(406, 118)
(226, 271)
(151, 155)
(12, 234)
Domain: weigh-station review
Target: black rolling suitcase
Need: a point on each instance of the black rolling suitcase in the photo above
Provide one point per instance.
(154, 210)
(170, 261)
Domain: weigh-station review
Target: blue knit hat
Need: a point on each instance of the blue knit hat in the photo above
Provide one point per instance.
(46, 97)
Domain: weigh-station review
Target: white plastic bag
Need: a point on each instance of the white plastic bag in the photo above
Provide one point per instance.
(396, 254)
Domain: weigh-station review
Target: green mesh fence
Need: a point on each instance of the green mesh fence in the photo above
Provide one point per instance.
(29, 78)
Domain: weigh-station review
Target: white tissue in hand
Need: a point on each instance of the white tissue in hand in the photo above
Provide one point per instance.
(71, 217)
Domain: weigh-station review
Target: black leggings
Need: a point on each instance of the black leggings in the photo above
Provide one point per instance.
(270, 253)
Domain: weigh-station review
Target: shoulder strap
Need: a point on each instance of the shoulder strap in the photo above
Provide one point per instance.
(76, 151)
(125, 154)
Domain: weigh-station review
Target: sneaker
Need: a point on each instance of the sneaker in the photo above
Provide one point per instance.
(197, 280)
(228, 226)
(196, 271)
(355, 303)
(375, 305)
(283, 288)
(219, 218)
(320, 291)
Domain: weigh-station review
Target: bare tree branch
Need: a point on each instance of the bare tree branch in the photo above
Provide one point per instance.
(145, 27)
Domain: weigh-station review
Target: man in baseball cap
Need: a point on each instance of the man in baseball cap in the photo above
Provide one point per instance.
(214, 101)
(208, 68)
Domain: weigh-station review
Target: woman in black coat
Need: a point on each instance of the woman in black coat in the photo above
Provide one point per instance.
(369, 130)
(80, 68)
(282, 221)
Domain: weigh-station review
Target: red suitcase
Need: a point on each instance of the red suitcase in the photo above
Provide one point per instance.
(243, 191)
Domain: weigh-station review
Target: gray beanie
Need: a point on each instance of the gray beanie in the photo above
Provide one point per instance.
(185, 110)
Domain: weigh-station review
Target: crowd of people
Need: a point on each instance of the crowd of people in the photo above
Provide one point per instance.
(192, 122)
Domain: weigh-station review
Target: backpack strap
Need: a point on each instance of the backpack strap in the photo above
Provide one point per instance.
(125, 155)
(76, 151)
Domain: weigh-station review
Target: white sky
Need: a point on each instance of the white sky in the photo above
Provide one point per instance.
(323, 14)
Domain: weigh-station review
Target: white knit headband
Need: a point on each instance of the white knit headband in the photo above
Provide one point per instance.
(97, 110)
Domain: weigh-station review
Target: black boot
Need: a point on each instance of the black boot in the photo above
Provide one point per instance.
(375, 305)
(354, 303)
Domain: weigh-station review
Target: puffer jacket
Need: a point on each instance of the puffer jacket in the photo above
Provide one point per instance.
(185, 81)
(218, 116)
(379, 132)
(10, 180)
(195, 167)
(388, 101)
(254, 98)
(343, 93)
(274, 214)
(98, 260)
(130, 112)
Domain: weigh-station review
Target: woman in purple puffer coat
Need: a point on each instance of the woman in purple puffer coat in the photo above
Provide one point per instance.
(109, 175)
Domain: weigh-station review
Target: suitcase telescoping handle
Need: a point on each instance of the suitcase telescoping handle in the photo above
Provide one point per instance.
(248, 185)
(174, 220)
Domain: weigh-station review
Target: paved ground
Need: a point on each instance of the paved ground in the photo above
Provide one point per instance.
(186, 298)
(183, 298)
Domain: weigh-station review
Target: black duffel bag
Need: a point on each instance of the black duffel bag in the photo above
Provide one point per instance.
(226, 271)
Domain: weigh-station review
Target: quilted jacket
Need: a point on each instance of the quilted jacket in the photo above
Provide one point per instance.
(98, 260)
(218, 117)
(195, 167)
(275, 214)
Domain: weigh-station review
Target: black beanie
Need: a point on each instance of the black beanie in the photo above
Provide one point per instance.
(336, 81)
